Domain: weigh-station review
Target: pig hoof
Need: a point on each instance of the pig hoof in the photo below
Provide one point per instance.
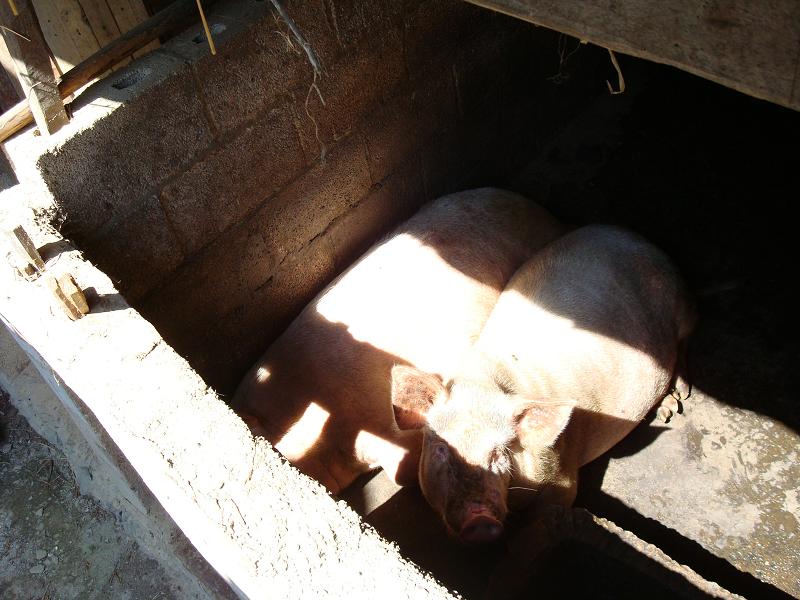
(669, 406)
(681, 390)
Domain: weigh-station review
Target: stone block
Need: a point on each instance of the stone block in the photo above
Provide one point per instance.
(138, 250)
(355, 20)
(246, 331)
(307, 206)
(158, 125)
(435, 104)
(256, 61)
(391, 134)
(362, 79)
(213, 283)
(451, 23)
(388, 204)
(226, 184)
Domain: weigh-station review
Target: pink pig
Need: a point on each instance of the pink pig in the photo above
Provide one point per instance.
(321, 393)
(583, 342)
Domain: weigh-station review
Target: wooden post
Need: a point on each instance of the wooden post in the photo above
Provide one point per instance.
(34, 70)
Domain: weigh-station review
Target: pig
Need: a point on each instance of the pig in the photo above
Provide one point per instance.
(321, 393)
(586, 338)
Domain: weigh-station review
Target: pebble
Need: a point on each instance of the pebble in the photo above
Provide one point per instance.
(5, 448)
(36, 569)
(40, 554)
(39, 512)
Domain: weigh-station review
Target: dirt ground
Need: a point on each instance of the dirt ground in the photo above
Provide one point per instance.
(55, 543)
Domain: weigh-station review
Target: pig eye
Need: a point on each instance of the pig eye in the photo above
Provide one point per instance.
(499, 460)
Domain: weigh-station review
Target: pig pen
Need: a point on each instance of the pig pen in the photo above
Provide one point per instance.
(201, 201)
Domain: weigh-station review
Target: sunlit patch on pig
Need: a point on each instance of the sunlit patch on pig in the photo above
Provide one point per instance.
(262, 374)
(304, 433)
(368, 324)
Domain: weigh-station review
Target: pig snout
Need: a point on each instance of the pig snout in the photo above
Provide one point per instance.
(480, 526)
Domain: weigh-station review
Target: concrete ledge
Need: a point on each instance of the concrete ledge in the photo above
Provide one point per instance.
(262, 526)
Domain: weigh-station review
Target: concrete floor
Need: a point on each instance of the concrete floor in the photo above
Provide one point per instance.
(55, 543)
(716, 489)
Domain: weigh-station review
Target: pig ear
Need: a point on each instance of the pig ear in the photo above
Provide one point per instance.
(540, 423)
(413, 393)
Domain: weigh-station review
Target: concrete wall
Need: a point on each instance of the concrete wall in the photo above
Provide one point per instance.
(222, 192)
(220, 510)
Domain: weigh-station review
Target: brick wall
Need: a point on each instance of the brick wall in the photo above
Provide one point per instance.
(225, 191)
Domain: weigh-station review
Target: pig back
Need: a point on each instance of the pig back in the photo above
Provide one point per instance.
(596, 317)
(420, 297)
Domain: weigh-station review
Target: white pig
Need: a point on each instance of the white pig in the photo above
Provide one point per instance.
(321, 394)
(582, 343)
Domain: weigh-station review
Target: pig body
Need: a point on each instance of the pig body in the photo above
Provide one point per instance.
(582, 343)
(321, 392)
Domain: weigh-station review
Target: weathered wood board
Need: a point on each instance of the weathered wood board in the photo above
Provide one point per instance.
(67, 32)
(101, 20)
(76, 29)
(752, 46)
(10, 88)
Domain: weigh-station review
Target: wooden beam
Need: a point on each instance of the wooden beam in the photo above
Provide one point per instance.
(15, 119)
(32, 60)
(161, 23)
(752, 46)
(10, 69)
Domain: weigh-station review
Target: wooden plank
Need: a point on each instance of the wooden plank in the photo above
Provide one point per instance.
(73, 292)
(65, 298)
(103, 25)
(752, 46)
(128, 14)
(23, 254)
(16, 118)
(32, 61)
(66, 30)
(101, 20)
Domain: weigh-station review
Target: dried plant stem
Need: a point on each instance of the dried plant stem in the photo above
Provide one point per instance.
(312, 56)
(205, 27)
(620, 78)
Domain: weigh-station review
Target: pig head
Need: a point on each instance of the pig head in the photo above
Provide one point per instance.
(475, 438)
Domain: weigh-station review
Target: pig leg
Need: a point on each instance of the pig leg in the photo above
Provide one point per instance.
(680, 390)
(669, 406)
(256, 428)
